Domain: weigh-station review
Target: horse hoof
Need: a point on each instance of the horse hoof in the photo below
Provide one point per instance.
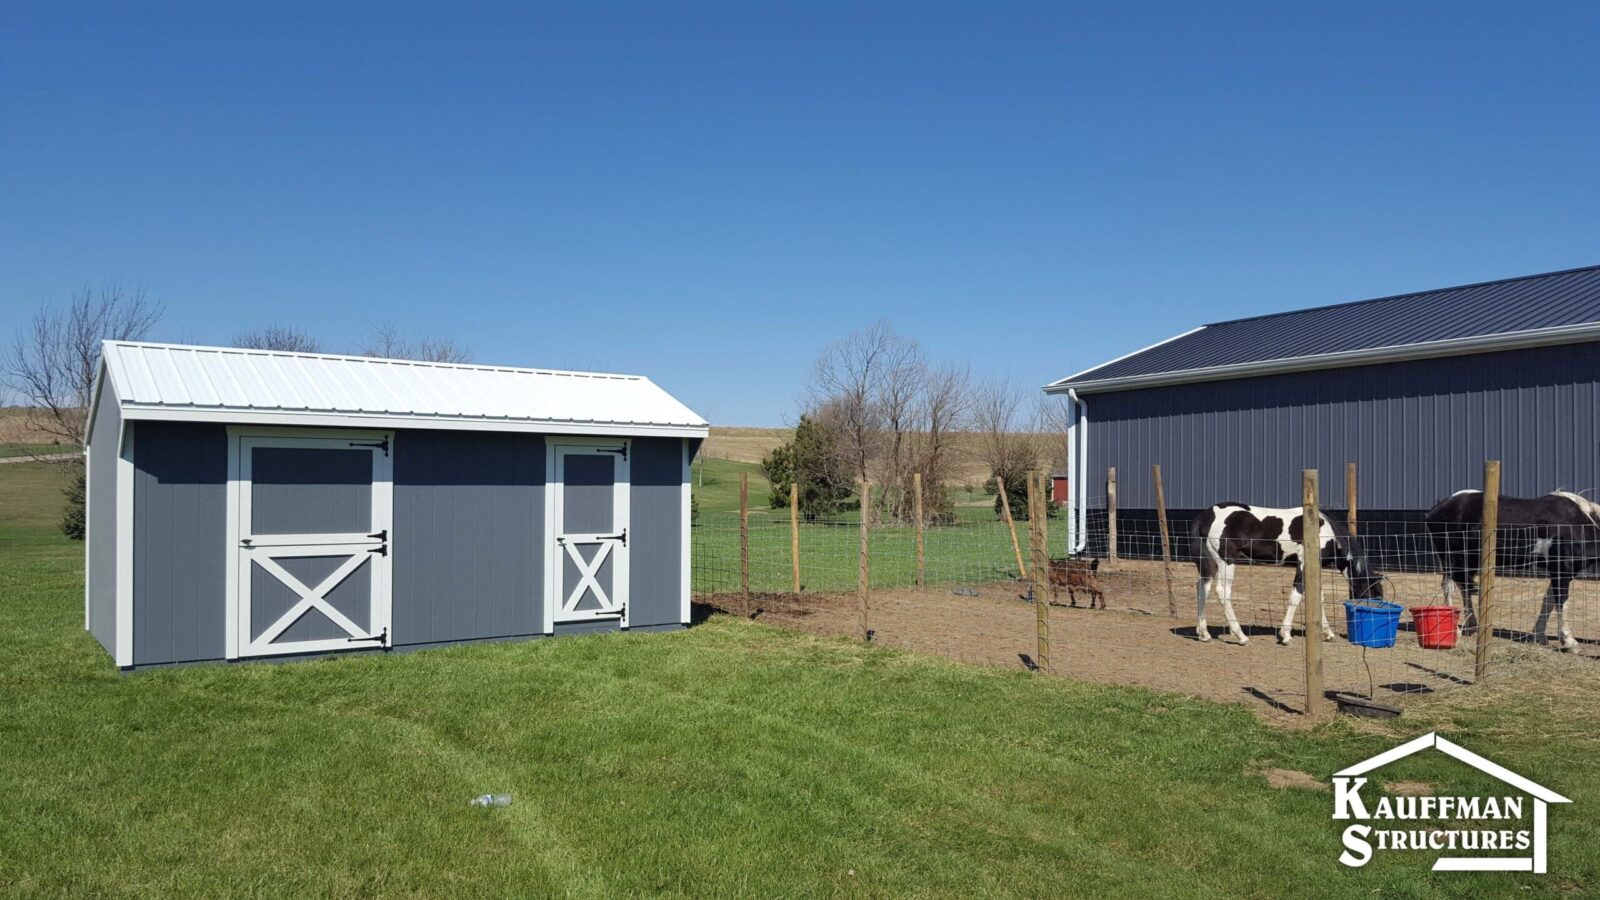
(1243, 640)
(1283, 641)
(1202, 635)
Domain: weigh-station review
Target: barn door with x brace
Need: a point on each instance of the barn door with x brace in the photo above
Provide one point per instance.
(311, 517)
(588, 549)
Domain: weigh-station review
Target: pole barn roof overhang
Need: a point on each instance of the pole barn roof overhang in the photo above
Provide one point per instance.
(176, 382)
(1532, 311)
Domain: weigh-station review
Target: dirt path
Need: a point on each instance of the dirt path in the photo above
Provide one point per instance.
(1135, 641)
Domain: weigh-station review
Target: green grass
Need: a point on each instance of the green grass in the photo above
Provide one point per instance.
(10, 450)
(730, 759)
(976, 548)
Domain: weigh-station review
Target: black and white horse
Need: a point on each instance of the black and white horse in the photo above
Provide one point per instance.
(1230, 533)
(1557, 535)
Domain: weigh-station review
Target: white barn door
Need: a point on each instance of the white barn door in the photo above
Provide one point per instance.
(312, 518)
(587, 547)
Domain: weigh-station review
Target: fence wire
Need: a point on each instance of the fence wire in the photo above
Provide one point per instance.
(974, 600)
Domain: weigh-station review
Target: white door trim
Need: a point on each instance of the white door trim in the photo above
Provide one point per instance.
(554, 553)
(238, 642)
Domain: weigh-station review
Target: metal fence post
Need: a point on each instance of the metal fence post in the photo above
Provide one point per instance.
(1311, 565)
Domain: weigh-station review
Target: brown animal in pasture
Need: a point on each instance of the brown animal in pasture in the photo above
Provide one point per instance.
(1076, 575)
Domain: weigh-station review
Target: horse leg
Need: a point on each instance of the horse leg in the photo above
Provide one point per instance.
(1568, 642)
(1225, 591)
(1202, 587)
(1542, 624)
(1286, 632)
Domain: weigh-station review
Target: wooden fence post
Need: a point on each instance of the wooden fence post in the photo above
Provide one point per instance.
(864, 577)
(1111, 515)
(794, 532)
(1312, 565)
(1011, 524)
(1041, 571)
(744, 539)
(916, 501)
(1166, 539)
(1350, 497)
(1488, 545)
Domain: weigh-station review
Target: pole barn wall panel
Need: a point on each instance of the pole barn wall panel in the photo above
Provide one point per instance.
(656, 508)
(468, 536)
(101, 525)
(1417, 430)
(180, 503)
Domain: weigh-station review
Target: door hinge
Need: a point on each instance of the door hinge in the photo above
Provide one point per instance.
(623, 537)
(620, 451)
(244, 542)
(382, 550)
(381, 637)
(380, 445)
(380, 535)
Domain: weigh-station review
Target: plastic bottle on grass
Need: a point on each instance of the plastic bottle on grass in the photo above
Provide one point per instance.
(491, 800)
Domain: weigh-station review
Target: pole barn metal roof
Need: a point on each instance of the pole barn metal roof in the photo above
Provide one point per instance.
(1534, 310)
(177, 382)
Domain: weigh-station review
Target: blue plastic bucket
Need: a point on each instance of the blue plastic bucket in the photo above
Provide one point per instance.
(1372, 623)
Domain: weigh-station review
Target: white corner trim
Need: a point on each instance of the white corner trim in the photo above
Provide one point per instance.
(546, 554)
(1062, 382)
(686, 538)
(124, 567)
(230, 591)
(88, 527)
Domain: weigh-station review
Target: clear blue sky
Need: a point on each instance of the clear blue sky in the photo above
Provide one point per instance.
(708, 193)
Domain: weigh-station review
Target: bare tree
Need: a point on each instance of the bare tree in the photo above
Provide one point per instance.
(1005, 448)
(847, 381)
(277, 337)
(945, 401)
(387, 342)
(1052, 417)
(52, 367)
(56, 355)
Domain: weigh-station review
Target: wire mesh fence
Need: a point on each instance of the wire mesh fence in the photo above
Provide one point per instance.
(1396, 603)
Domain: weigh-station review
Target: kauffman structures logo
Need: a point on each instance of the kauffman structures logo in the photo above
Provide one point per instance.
(1505, 832)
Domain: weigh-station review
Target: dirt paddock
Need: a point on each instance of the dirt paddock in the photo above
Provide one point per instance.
(1136, 641)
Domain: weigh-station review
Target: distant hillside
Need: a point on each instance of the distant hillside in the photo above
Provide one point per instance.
(749, 445)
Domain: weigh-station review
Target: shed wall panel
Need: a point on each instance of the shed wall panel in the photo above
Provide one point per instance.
(656, 532)
(179, 572)
(100, 565)
(468, 536)
(1417, 431)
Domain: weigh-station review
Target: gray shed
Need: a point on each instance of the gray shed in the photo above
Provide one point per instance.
(1416, 389)
(247, 504)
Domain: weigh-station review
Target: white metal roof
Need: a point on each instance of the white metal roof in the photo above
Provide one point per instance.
(224, 384)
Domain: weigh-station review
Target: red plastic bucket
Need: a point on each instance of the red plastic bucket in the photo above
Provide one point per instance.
(1436, 626)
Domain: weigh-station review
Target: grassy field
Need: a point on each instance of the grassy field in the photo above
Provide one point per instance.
(730, 759)
(977, 548)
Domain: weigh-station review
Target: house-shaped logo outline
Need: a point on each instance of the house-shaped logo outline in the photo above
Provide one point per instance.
(1542, 798)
